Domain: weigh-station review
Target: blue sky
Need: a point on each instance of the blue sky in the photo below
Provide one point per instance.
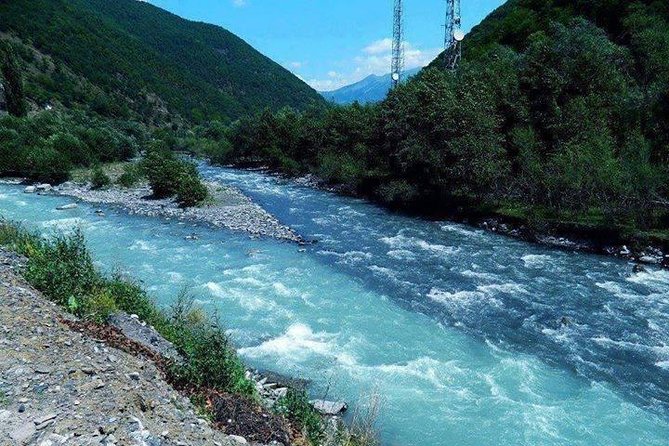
(331, 43)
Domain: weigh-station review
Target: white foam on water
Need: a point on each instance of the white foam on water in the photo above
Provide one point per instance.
(175, 277)
(479, 275)
(348, 257)
(64, 223)
(250, 281)
(401, 254)
(459, 229)
(282, 290)
(300, 343)
(506, 288)
(400, 241)
(142, 245)
(663, 364)
(535, 260)
(442, 296)
(657, 280)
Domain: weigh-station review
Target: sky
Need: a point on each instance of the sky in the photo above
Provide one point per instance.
(332, 43)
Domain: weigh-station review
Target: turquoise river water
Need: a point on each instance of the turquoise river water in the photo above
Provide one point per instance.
(457, 329)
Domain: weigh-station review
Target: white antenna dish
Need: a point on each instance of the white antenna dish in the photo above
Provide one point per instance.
(459, 35)
(396, 76)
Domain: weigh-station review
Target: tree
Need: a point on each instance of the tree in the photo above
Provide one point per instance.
(12, 80)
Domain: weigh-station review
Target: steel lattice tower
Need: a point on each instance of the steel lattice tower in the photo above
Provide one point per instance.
(398, 44)
(454, 35)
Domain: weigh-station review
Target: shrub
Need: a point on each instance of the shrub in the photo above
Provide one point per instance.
(296, 407)
(191, 191)
(130, 177)
(61, 268)
(73, 148)
(210, 359)
(170, 176)
(48, 165)
(99, 179)
(162, 170)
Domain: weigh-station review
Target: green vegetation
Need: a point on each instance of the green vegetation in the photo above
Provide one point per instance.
(560, 108)
(130, 177)
(295, 406)
(13, 82)
(170, 176)
(45, 146)
(99, 179)
(62, 269)
(133, 58)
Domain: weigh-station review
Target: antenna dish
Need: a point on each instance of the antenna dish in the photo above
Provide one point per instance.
(396, 76)
(458, 35)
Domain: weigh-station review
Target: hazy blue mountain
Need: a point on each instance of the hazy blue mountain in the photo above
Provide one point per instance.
(373, 88)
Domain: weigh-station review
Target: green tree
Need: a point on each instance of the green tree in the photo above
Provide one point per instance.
(12, 80)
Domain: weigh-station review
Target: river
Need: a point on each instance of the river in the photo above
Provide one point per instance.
(470, 338)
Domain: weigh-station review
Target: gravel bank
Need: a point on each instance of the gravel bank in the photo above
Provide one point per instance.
(229, 208)
(58, 386)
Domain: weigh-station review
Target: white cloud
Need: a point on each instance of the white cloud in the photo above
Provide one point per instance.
(374, 58)
(379, 47)
(239, 3)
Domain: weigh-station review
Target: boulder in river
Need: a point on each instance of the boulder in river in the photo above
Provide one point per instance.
(30, 190)
(65, 207)
(329, 407)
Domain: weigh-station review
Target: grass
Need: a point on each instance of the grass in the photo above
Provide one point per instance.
(112, 170)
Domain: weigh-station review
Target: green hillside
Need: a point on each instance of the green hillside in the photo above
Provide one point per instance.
(138, 51)
(558, 113)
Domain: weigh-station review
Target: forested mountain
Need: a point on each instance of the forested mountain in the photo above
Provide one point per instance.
(559, 112)
(132, 49)
(373, 88)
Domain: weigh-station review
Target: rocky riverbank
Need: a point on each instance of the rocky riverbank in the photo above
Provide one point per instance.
(60, 386)
(228, 207)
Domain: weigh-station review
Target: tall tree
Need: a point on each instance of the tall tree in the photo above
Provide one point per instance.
(12, 80)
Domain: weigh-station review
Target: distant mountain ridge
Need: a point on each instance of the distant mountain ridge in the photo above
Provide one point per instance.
(373, 88)
(139, 51)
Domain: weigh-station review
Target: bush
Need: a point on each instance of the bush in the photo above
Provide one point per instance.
(130, 177)
(191, 191)
(296, 407)
(99, 179)
(170, 176)
(210, 360)
(48, 165)
(61, 268)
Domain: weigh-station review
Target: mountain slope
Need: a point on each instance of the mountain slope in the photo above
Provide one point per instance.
(373, 88)
(200, 71)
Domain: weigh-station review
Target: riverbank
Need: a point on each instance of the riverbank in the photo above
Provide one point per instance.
(93, 393)
(591, 237)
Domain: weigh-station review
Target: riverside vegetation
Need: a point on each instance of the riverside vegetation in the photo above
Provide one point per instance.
(558, 114)
(210, 371)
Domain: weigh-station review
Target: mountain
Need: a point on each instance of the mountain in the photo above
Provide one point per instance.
(373, 88)
(134, 50)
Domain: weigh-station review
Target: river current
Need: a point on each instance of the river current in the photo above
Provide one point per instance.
(470, 338)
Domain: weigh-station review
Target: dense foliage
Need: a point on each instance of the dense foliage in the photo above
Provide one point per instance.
(46, 145)
(142, 60)
(12, 83)
(171, 176)
(559, 110)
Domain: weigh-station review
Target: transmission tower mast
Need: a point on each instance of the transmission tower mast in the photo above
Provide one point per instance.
(398, 44)
(454, 35)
